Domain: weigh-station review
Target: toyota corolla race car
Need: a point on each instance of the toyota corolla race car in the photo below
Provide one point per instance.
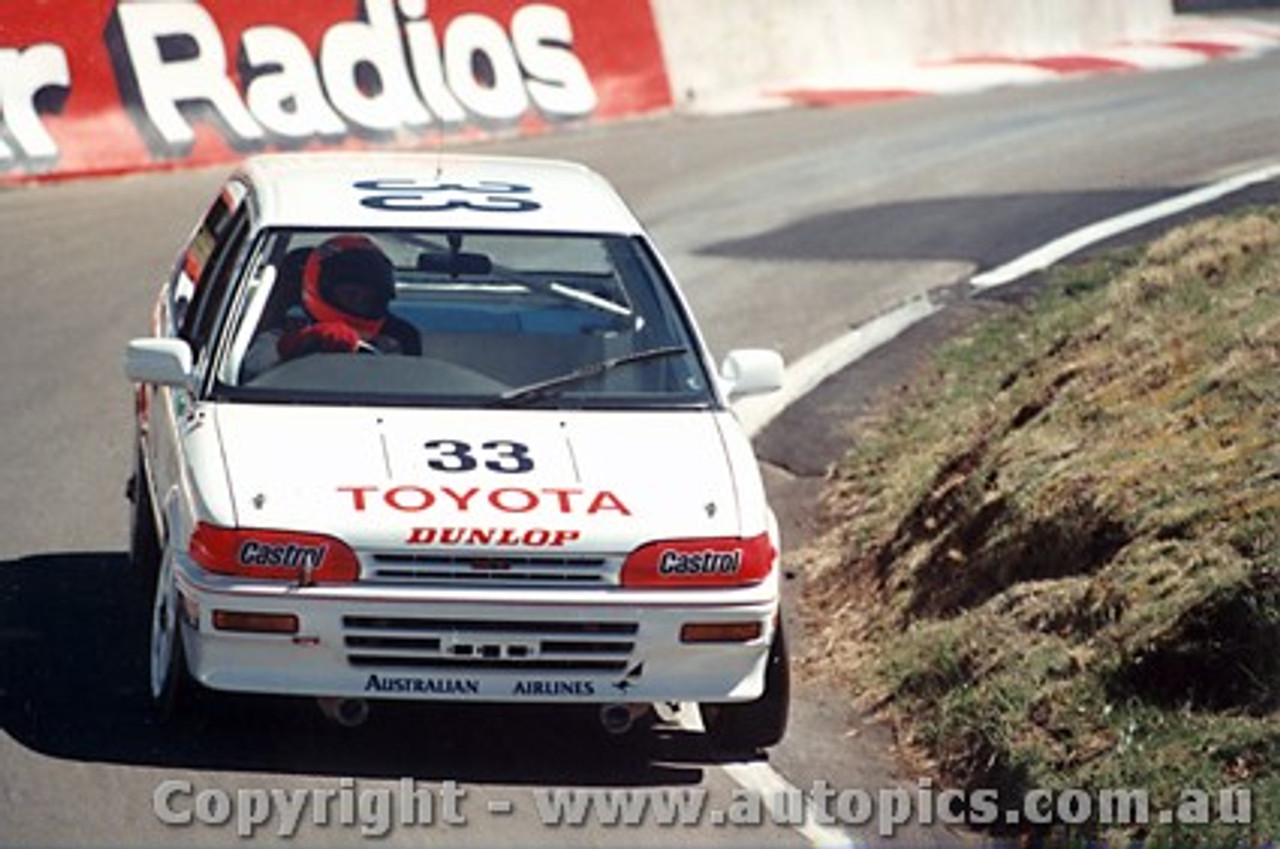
(442, 428)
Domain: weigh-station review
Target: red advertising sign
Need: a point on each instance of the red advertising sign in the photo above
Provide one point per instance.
(106, 86)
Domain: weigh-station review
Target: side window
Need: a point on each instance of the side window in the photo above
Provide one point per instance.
(214, 285)
(200, 255)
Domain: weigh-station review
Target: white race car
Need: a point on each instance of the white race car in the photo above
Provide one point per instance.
(442, 428)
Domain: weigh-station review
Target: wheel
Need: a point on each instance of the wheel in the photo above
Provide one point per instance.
(748, 727)
(153, 569)
(168, 667)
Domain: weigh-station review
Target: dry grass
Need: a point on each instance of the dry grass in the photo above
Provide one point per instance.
(1057, 562)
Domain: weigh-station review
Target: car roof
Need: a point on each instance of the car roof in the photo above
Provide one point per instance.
(430, 190)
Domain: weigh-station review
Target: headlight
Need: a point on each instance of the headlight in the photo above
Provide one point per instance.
(713, 562)
(273, 555)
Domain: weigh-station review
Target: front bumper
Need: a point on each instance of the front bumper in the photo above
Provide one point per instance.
(389, 642)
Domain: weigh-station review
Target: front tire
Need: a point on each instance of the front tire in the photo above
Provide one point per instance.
(169, 685)
(749, 727)
(152, 569)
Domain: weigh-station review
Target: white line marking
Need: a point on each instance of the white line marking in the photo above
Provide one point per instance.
(763, 780)
(1046, 255)
(804, 375)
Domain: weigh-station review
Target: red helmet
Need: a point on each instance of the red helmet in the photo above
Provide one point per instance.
(349, 279)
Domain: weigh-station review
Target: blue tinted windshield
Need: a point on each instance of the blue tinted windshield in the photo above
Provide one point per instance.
(460, 317)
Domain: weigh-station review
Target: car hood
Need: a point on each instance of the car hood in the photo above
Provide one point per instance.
(586, 481)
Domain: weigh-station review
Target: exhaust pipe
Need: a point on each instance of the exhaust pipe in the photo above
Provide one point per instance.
(349, 713)
(617, 718)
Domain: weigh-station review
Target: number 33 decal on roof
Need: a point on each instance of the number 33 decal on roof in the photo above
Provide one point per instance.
(412, 196)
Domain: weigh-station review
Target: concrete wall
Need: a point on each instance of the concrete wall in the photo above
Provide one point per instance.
(722, 50)
(97, 92)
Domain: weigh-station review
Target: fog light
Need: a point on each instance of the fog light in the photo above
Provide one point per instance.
(720, 632)
(255, 623)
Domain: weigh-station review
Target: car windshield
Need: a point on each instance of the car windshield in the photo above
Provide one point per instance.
(463, 318)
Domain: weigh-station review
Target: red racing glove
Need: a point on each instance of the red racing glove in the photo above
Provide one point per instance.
(330, 337)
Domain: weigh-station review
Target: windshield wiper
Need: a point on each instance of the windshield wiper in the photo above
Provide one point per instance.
(552, 385)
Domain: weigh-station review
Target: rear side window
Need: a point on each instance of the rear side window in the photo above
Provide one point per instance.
(198, 259)
(214, 286)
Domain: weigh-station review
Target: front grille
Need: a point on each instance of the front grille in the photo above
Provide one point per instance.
(542, 646)
(447, 570)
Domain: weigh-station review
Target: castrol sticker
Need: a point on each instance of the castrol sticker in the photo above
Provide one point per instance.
(709, 562)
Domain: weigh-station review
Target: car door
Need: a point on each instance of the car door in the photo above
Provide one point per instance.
(194, 302)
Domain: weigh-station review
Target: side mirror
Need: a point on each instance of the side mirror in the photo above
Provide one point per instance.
(166, 362)
(751, 371)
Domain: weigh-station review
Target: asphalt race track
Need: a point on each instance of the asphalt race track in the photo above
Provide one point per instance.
(786, 228)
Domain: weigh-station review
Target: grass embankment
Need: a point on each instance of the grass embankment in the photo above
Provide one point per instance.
(1055, 563)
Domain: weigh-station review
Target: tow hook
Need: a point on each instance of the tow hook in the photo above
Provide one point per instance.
(349, 713)
(618, 717)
